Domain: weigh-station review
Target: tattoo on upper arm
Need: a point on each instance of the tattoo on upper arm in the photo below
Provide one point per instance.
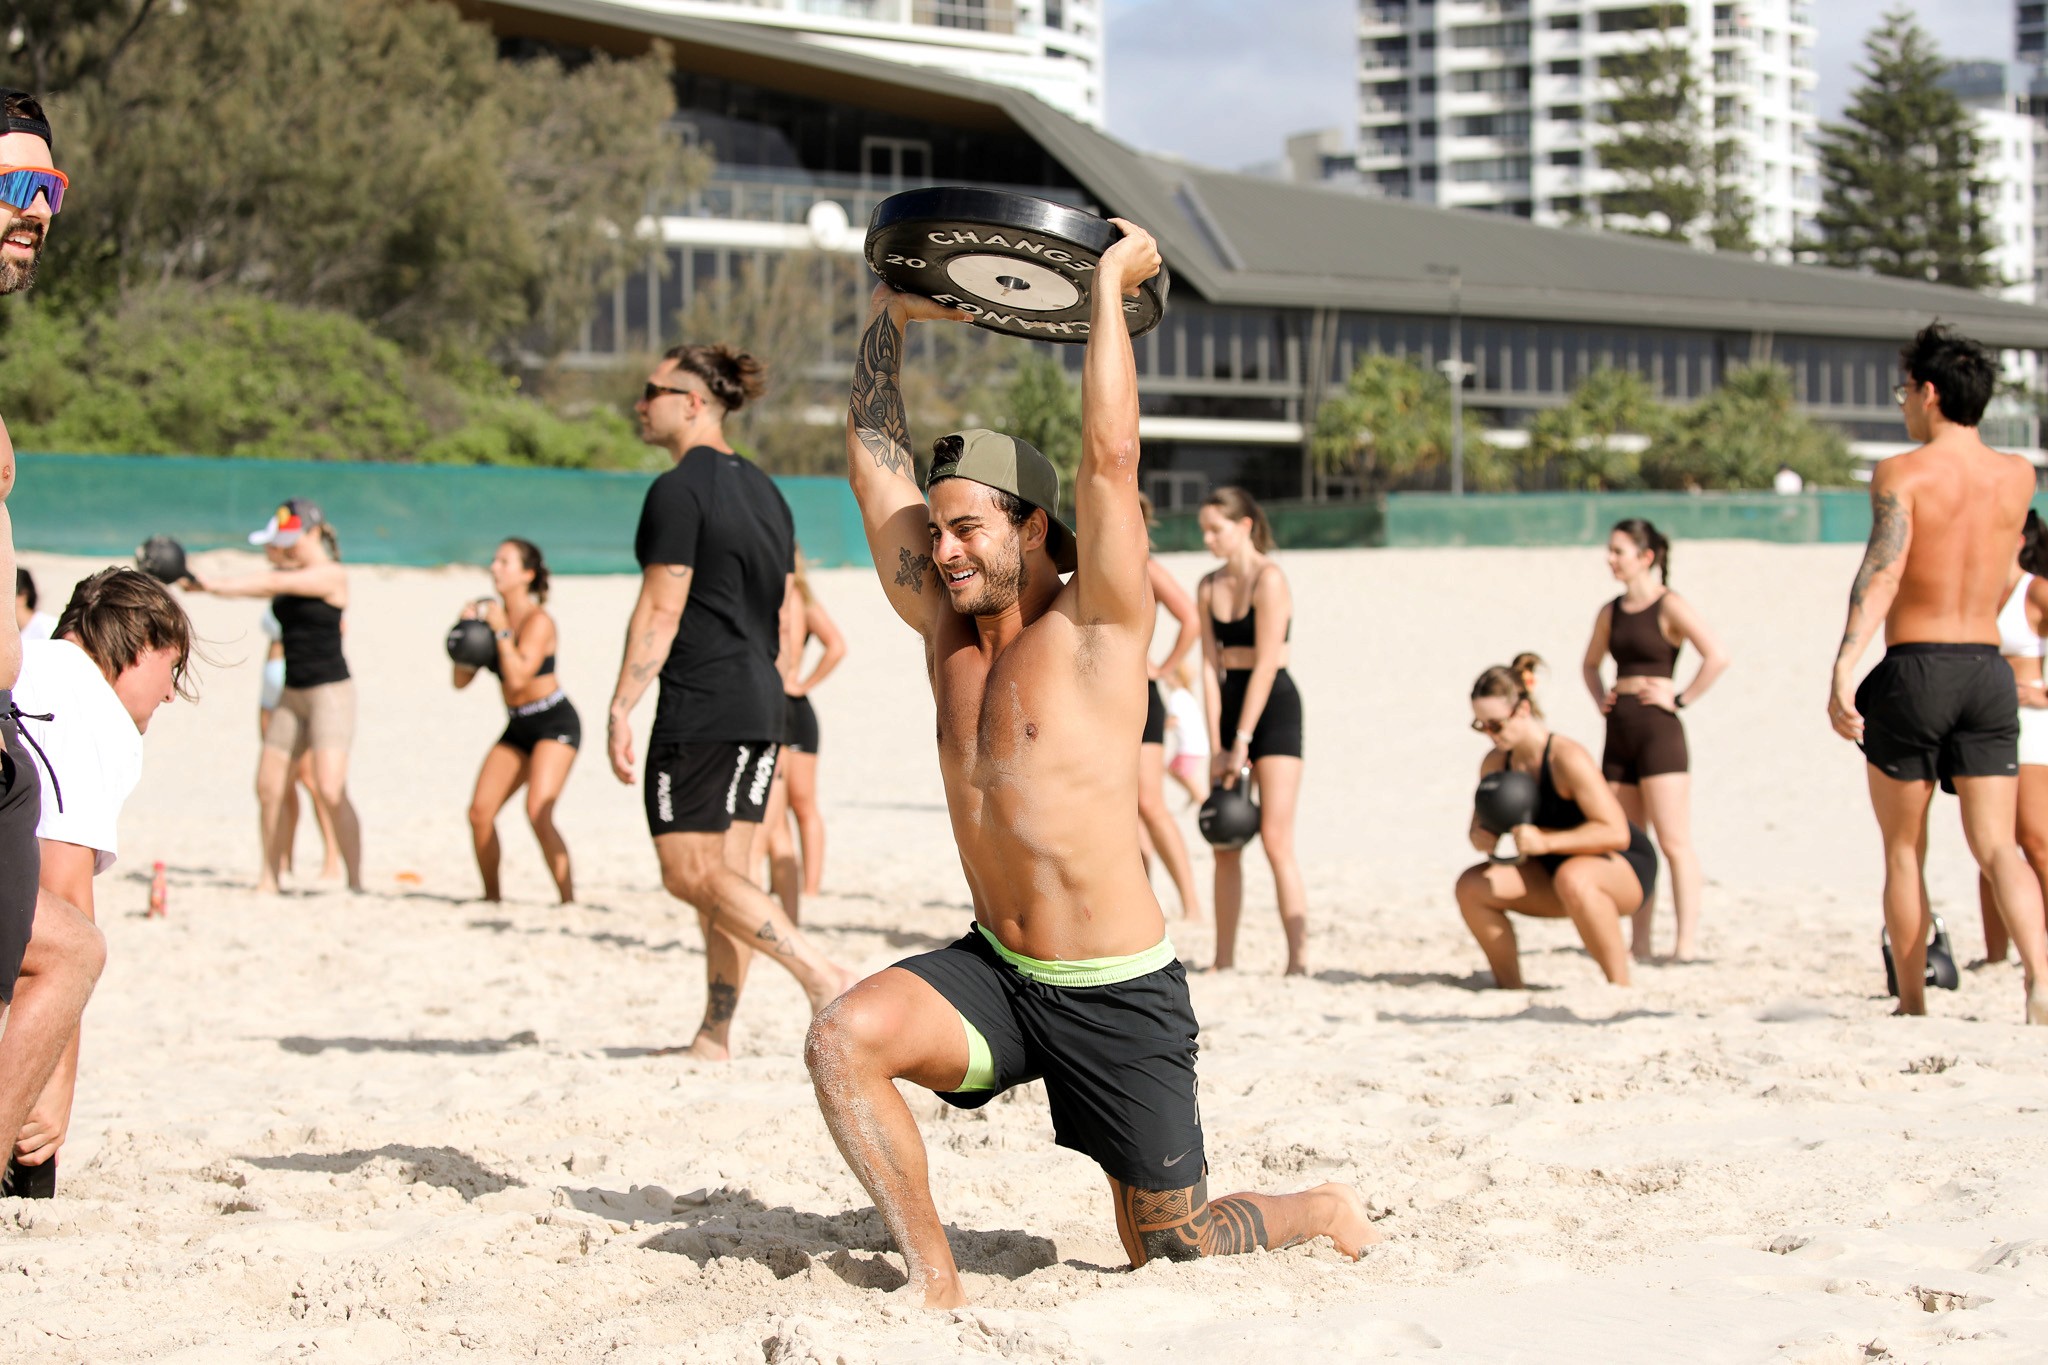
(1889, 525)
(912, 570)
(1183, 1225)
(877, 402)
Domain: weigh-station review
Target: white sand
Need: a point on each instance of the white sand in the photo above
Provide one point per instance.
(303, 1134)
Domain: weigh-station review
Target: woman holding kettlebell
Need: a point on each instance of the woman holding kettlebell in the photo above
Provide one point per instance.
(542, 729)
(1579, 858)
(1254, 710)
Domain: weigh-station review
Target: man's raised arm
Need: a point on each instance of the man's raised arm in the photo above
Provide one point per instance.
(1109, 526)
(879, 465)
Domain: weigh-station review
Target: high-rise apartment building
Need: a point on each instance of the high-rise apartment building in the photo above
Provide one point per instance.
(2009, 139)
(1052, 48)
(1498, 104)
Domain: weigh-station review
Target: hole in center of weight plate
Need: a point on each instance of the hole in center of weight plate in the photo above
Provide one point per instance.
(1012, 282)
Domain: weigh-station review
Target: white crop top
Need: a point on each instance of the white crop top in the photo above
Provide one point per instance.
(2016, 639)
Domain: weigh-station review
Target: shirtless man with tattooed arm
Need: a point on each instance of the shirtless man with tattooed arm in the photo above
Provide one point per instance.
(1941, 705)
(1066, 973)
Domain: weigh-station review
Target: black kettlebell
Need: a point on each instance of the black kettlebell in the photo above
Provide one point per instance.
(472, 643)
(162, 558)
(1941, 960)
(1505, 798)
(1229, 818)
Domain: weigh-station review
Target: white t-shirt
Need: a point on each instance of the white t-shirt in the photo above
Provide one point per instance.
(41, 626)
(1187, 724)
(91, 742)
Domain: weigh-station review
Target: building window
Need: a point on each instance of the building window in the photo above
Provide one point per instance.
(1491, 35)
(1492, 125)
(1496, 80)
(1491, 170)
(1567, 158)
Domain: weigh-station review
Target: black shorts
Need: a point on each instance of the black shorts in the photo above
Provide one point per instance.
(704, 788)
(1642, 741)
(1278, 733)
(1940, 711)
(1640, 856)
(1118, 1061)
(21, 860)
(1155, 715)
(799, 725)
(551, 718)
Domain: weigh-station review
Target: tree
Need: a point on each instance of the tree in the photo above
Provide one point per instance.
(1579, 440)
(1042, 406)
(1902, 193)
(371, 156)
(1652, 120)
(1392, 422)
(1738, 436)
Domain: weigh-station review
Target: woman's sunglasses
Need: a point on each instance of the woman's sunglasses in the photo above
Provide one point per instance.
(19, 186)
(1489, 727)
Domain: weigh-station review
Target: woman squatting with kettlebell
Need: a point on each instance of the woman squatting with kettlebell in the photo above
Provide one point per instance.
(1576, 854)
(1254, 710)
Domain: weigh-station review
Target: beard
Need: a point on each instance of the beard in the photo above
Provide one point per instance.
(1002, 583)
(16, 276)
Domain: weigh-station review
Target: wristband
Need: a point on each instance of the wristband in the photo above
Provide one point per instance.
(1678, 701)
(1244, 736)
(504, 635)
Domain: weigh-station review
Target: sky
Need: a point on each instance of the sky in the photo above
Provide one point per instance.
(1224, 82)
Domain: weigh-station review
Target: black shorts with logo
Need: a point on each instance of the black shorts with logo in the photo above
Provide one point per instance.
(21, 809)
(1940, 711)
(704, 788)
(552, 718)
(1118, 1061)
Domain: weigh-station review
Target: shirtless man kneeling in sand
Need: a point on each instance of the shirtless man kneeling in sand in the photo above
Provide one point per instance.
(1940, 704)
(1067, 973)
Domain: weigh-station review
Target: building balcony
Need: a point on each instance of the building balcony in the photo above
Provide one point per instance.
(979, 16)
(1378, 18)
(1377, 110)
(786, 197)
(1382, 61)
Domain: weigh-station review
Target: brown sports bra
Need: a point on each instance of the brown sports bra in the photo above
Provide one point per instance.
(1636, 640)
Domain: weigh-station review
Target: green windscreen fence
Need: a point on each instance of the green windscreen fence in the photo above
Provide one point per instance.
(383, 513)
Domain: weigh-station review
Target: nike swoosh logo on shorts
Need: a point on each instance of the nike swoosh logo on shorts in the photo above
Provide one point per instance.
(1175, 1160)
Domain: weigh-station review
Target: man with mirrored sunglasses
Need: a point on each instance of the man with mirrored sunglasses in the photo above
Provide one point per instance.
(50, 953)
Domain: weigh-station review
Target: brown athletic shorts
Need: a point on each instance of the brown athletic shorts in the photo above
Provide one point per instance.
(322, 717)
(1642, 741)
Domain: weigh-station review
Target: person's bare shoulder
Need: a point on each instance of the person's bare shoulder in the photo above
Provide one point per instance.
(6, 461)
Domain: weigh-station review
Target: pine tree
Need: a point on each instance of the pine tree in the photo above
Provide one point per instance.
(1902, 192)
(1653, 142)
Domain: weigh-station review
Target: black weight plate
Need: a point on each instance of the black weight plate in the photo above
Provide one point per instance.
(1021, 265)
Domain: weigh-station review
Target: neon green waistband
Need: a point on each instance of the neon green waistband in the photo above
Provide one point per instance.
(1093, 971)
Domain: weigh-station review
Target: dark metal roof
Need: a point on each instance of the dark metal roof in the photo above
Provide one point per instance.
(1254, 242)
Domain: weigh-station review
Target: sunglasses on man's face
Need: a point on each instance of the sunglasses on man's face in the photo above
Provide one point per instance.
(654, 391)
(19, 186)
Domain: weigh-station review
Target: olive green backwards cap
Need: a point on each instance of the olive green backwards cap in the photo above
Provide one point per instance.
(999, 461)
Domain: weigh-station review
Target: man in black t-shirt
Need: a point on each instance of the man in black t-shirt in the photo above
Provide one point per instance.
(717, 552)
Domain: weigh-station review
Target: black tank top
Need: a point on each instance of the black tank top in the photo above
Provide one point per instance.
(1553, 810)
(310, 629)
(1636, 640)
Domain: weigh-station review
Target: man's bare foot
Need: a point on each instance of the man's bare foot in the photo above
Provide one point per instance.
(704, 1048)
(1903, 1013)
(937, 1291)
(839, 983)
(1348, 1225)
(2037, 1003)
(1296, 969)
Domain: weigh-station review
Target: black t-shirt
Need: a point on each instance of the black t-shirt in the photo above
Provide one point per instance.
(724, 518)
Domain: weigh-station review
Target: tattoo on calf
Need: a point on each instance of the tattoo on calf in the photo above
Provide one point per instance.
(912, 570)
(721, 1000)
(1183, 1225)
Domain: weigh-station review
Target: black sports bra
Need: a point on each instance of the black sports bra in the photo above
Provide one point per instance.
(1243, 632)
(547, 666)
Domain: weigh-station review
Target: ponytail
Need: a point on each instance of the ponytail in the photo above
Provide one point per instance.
(1514, 683)
(1648, 537)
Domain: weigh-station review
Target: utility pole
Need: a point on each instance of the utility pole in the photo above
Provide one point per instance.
(1455, 369)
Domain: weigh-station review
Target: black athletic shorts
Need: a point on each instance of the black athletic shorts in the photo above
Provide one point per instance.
(1940, 711)
(1118, 1061)
(1278, 733)
(21, 860)
(704, 788)
(552, 717)
(1640, 855)
(1155, 715)
(799, 725)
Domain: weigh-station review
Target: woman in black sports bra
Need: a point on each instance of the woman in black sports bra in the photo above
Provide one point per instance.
(1254, 710)
(1646, 758)
(542, 729)
(1580, 857)
(316, 712)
